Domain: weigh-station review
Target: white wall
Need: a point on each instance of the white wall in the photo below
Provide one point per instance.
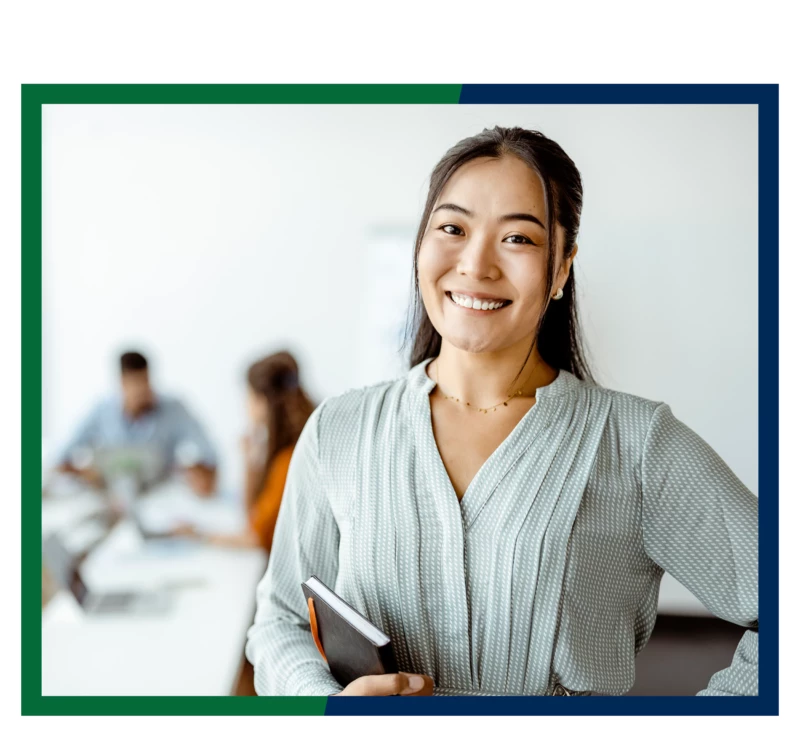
(208, 235)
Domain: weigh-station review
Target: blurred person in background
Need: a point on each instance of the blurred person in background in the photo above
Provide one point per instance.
(277, 409)
(138, 416)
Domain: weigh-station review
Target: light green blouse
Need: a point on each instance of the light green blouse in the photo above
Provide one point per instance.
(546, 572)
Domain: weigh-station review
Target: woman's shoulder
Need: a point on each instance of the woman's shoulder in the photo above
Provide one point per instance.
(626, 409)
(283, 456)
(359, 404)
(570, 382)
(346, 421)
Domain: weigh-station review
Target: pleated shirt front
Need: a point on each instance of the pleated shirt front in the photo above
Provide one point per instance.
(546, 572)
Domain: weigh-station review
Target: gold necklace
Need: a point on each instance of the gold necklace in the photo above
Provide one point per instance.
(485, 410)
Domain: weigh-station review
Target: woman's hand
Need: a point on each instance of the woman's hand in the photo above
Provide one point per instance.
(186, 529)
(391, 684)
(253, 445)
(202, 479)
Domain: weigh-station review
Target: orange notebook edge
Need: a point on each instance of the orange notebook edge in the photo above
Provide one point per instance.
(312, 616)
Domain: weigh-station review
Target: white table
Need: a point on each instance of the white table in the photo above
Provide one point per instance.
(194, 649)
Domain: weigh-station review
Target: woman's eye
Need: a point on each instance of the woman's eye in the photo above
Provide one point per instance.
(525, 239)
(455, 227)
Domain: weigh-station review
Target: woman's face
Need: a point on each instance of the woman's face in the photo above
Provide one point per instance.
(257, 407)
(486, 241)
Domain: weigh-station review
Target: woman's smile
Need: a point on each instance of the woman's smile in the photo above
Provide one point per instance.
(476, 304)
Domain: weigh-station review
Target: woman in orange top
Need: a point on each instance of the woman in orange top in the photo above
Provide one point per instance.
(278, 409)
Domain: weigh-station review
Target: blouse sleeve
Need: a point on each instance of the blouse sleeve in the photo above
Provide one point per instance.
(306, 542)
(700, 524)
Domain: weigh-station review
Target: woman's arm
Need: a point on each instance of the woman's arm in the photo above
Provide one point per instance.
(244, 539)
(253, 472)
(700, 524)
(306, 542)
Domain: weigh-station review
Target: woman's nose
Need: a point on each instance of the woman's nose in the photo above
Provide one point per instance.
(477, 259)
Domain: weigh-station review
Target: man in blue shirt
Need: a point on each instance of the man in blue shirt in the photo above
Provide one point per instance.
(140, 417)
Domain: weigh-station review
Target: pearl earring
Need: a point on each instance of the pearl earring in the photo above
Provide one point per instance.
(559, 294)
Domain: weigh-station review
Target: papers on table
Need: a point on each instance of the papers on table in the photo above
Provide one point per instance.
(174, 504)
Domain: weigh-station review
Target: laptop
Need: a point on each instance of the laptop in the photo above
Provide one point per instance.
(145, 532)
(64, 568)
(144, 464)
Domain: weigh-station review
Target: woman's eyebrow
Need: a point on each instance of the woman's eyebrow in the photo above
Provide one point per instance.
(455, 208)
(521, 216)
(502, 219)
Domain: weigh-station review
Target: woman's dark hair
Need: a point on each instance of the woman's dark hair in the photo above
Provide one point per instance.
(277, 378)
(558, 330)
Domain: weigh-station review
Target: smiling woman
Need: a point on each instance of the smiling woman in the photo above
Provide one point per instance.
(523, 236)
(504, 519)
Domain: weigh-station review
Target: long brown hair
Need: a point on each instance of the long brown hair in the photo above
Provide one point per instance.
(558, 332)
(277, 379)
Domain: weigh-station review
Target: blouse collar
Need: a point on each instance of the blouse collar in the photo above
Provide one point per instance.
(565, 382)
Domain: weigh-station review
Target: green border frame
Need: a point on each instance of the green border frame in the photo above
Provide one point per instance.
(33, 98)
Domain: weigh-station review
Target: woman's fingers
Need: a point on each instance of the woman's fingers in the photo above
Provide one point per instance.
(427, 688)
(390, 684)
(413, 684)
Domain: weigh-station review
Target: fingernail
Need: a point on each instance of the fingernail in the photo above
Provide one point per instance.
(415, 683)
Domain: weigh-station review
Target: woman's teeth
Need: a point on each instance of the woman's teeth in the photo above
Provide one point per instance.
(475, 304)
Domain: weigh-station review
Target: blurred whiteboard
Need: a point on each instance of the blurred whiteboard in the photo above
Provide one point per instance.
(388, 285)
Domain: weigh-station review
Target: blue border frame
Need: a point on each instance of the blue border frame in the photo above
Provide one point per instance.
(766, 703)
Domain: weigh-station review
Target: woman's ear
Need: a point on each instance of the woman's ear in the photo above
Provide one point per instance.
(566, 266)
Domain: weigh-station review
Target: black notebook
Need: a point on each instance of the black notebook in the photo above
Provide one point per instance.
(349, 642)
